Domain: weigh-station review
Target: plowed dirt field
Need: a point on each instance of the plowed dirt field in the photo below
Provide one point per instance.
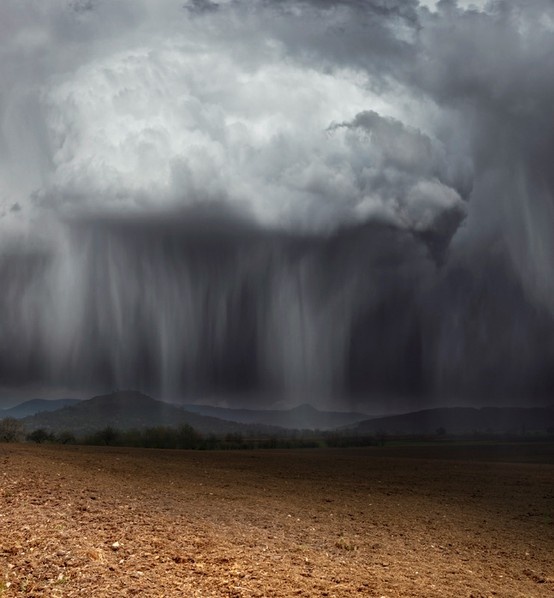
(383, 521)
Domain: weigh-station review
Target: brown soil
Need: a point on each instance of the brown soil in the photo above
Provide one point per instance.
(83, 521)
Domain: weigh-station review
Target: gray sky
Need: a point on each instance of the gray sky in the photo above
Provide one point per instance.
(308, 119)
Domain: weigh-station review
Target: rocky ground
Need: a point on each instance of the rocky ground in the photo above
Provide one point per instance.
(394, 522)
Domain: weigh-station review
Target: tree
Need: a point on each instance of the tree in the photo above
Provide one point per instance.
(39, 436)
(11, 430)
(66, 437)
(108, 436)
(187, 437)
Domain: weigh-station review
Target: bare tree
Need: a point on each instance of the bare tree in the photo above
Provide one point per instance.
(11, 430)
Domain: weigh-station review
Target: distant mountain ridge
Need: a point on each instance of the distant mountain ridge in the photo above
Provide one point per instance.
(303, 416)
(127, 410)
(462, 420)
(34, 406)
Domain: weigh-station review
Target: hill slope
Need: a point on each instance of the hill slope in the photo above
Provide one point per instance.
(462, 420)
(36, 406)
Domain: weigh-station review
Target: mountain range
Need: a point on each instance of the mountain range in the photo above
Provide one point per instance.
(126, 410)
(303, 417)
(133, 410)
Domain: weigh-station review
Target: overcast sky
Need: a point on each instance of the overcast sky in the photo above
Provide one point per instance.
(306, 119)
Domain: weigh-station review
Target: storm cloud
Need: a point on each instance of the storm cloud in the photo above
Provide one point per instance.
(333, 201)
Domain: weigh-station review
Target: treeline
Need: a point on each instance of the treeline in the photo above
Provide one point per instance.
(40, 436)
(186, 437)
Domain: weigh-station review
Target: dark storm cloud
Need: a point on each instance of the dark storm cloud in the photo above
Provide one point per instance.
(209, 123)
(411, 166)
(374, 36)
(201, 6)
(492, 69)
(286, 198)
